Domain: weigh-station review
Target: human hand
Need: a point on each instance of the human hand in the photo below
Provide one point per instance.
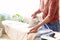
(34, 15)
(33, 30)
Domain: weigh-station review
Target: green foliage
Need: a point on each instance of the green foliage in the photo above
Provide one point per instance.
(19, 17)
(2, 17)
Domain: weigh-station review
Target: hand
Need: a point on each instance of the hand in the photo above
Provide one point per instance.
(34, 15)
(33, 30)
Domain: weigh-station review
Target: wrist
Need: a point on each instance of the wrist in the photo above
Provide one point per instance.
(37, 26)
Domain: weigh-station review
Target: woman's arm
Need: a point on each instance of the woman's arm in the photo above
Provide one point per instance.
(49, 17)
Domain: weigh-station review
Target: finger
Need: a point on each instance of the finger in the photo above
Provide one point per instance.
(31, 29)
(32, 15)
(35, 17)
(30, 32)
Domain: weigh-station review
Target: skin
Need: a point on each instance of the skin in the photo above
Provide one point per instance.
(47, 19)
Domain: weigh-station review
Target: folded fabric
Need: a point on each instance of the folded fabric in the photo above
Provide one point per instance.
(40, 34)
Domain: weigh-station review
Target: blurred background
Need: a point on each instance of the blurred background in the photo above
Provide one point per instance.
(22, 7)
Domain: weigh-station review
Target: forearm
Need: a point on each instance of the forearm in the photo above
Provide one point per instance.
(52, 10)
(44, 21)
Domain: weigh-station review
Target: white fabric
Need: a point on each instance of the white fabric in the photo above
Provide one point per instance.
(16, 30)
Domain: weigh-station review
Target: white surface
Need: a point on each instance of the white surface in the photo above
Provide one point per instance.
(16, 25)
(57, 35)
(1, 29)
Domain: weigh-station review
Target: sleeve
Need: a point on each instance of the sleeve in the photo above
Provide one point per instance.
(52, 9)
